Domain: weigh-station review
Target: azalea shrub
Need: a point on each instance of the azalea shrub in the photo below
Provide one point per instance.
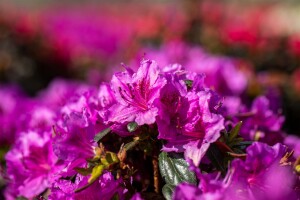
(160, 131)
(174, 121)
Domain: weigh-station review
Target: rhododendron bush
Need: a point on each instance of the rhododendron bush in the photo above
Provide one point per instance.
(154, 132)
(173, 121)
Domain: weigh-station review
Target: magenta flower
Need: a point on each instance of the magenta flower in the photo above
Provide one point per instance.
(261, 176)
(86, 102)
(262, 123)
(105, 188)
(135, 94)
(211, 186)
(11, 107)
(73, 142)
(222, 73)
(186, 119)
(293, 142)
(77, 33)
(106, 99)
(31, 165)
(187, 191)
(36, 117)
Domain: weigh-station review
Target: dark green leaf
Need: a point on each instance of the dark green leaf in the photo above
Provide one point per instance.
(115, 197)
(83, 171)
(235, 131)
(188, 83)
(100, 135)
(21, 198)
(215, 156)
(236, 141)
(244, 143)
(111, 157)
(132, 126)
(238, 150)
(130, 145)
(167, 191)
(175, 170)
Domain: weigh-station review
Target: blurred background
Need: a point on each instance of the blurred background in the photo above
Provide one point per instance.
(87, 40)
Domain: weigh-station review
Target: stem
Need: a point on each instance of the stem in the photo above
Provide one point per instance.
(156, 174)
(236, 155)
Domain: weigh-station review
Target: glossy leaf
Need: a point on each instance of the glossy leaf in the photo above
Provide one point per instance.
(130, 145)
(235, 131)
(132, 126)
(100, 135)
(175, 170)
(167, 191)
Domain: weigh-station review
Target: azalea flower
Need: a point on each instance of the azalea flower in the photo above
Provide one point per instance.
(31, 165)
(106, 187)
(186, 120)
(260, 176)
(135, 94)
(262, 124)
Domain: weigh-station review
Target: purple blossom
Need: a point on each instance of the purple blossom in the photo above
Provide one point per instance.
(105, 188)
(73, 142)
(293, 142)
(187, 191)
(261, 176)
(86, 102)
(173, 52)
(31, 165)
(186, 120)
(36, 116)
(210, 187)
(83, 32)
(135, 94)
(11, 106)
(59, 92)
(262, 123)
(222, 73)
(232, 105)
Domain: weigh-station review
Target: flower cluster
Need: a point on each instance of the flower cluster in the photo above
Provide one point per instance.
(160, 129)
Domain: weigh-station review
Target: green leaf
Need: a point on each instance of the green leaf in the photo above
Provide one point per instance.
(235, 131)
(246, 143)
(115, 197)
(215, 156)
(167, 191)
(109, 159)
(131, 144)
(83, 171)
(21, 198)
(240, 144)
(100, 135)
(132, 126)
(188, 83)
(175, 170)
(96, 172)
